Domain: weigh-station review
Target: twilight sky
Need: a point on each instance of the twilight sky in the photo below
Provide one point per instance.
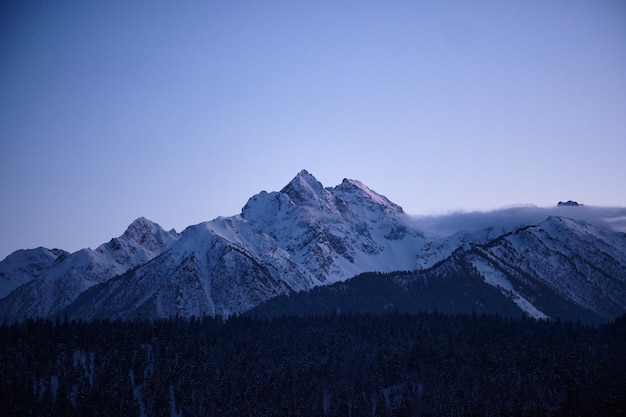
(181, 111)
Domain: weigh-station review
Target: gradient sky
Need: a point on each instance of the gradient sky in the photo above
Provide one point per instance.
(181, 111)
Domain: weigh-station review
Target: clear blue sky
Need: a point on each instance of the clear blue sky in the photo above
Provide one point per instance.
(180, 111)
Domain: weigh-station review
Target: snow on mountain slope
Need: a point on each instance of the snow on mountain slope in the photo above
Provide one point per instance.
(498, 279)
(303, 236)
(307, 235)
(224, 266)
(25, 265)
(440, 248)
(71, 274)
(561, 257)
(142, 241)
(336, 233)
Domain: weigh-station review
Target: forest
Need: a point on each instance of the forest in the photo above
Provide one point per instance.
(352, 364)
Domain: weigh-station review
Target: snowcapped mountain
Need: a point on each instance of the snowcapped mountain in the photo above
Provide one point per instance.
(308, 236)
(558, 268)
(336, 233)
(438, 249)
(219, 267)
(25, 265)
(301, 237)
(559, 258)
(68, 275)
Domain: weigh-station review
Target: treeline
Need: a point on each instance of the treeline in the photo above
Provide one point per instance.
(426, 364)
(458, 289)
(453, 287)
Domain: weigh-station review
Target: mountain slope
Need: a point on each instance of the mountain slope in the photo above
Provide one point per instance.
(306, 236)
(218, 267)
(451, 287)
(25, 265)
(71, 274)
(559, 268)
(301, 237)
(555, 260)
(336, 233)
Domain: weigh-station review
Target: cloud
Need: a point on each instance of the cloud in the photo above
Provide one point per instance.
(509, 218)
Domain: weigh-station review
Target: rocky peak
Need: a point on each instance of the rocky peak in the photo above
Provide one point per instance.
(306, 190)
(356, 191)
(29, 256)
(139, 229)
(568, 203)
(148, 234)
(24, 265)
(265, 209)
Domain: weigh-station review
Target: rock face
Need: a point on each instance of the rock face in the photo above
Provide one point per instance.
(307, 236)
(568, 203)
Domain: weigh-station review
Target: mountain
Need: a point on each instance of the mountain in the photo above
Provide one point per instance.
(25, 265)
(438, 249)
(307, 237)
(568, 203)
(60, 282)
(451, 287)
(336, 233)
(219, 267)
(558, 268)
(560, 259)
(282, 242)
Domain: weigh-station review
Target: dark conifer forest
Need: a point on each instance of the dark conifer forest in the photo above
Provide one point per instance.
(425, 364)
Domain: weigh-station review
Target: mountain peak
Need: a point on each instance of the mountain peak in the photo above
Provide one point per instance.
(304, 173)
(304, 178)
(304, 189)
(148, 234)
(568, 203)
(356, 187)
(140, 227)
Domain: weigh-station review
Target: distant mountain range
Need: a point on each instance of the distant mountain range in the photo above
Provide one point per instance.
(296, 251)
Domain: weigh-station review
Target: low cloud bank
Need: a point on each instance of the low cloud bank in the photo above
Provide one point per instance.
(512, 217)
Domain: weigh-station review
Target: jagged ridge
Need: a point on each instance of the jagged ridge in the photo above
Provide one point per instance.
(306, 236)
